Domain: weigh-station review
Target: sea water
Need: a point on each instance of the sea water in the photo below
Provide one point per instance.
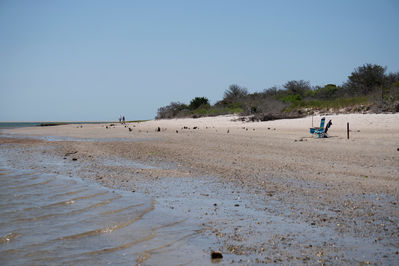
(9, 125)
(55, 219)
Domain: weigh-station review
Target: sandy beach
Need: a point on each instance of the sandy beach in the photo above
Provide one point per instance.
(294, 198)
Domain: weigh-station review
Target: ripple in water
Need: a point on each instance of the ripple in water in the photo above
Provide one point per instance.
(56, 220)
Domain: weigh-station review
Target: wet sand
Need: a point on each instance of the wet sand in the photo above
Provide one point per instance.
(264, 192)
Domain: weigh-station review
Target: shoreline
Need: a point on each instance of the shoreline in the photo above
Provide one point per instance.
(324, 184)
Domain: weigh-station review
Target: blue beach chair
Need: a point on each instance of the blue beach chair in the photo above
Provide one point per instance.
(319, 130)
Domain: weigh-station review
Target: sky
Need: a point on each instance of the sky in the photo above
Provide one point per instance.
(96, 60)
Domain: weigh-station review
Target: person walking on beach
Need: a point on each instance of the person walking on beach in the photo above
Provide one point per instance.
(123, 120)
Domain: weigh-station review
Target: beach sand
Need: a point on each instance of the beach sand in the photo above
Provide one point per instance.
(307, 200)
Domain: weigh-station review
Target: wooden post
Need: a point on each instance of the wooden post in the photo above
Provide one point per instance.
(347, 129)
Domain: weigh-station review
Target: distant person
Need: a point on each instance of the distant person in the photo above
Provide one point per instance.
(120, 119)
(123, 119)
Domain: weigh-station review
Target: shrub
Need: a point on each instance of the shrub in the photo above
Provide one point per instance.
(198, 102)
(293, 99)
(327, 92)
(171, 110)
(367, 87)
(365, 79)
(297, 87)
(234, 93)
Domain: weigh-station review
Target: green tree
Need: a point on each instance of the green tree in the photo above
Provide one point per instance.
(327, 92)
(366, 79)
(297, 87)
(198, 102)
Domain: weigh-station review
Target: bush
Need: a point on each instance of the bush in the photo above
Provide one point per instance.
(234, 93)
(293, 99)
(170, 111)
(297, 87)
(327, 92)
(329, 104)
(198, 102)
(367, 87)
(366, 79)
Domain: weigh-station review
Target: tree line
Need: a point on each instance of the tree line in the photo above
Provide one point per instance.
(368, 88)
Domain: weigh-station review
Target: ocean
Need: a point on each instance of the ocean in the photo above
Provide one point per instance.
(9, 125)
(49, 215)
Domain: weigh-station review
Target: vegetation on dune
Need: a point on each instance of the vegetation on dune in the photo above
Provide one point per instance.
(198, 107)
(368, 88)
(334, 104)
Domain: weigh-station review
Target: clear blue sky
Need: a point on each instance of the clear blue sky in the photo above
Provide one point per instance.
(94, 60)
